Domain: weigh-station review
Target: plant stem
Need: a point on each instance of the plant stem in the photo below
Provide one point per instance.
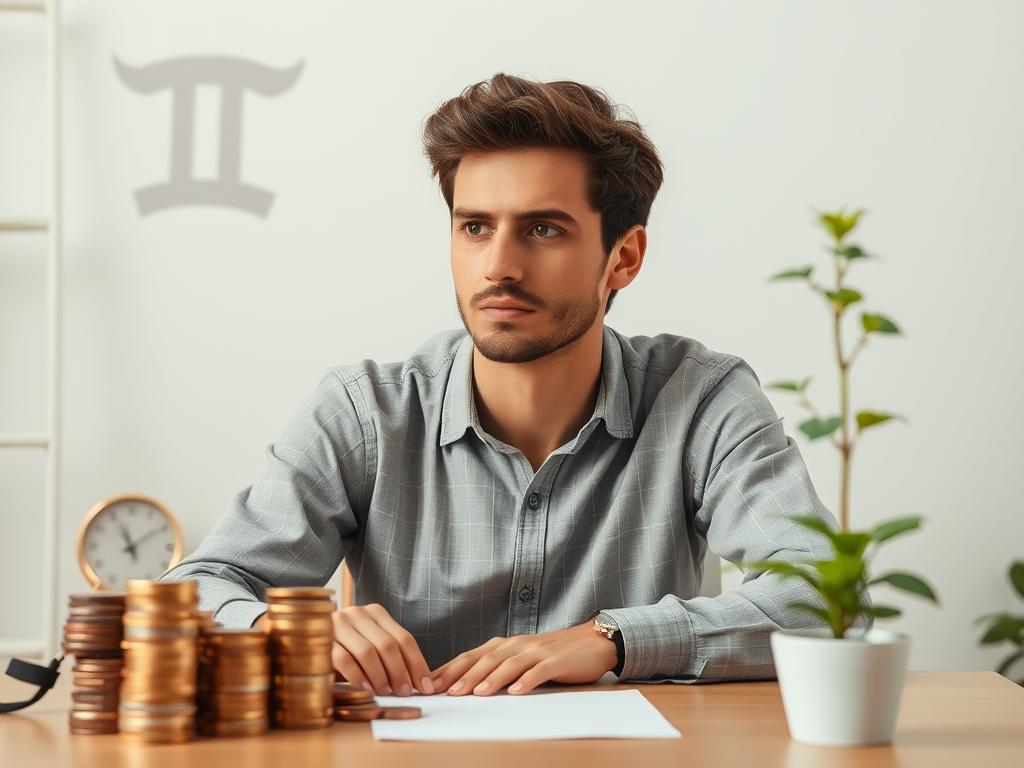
(845, 448)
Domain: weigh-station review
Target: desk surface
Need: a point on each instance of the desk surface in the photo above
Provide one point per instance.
(946, 718)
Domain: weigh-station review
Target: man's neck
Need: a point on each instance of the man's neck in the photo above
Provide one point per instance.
(538, 406)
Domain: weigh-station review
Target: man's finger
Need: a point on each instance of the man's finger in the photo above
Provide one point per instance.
(363, 651)
(510, 669)
(387, 649)
(349, 668)
(410, 649)
(455, 669)
(531, 678)
(483, 667)
(448, 673)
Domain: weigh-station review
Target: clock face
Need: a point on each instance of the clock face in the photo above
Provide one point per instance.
(128, 538)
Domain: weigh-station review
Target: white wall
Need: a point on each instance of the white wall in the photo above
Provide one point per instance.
(193, 333)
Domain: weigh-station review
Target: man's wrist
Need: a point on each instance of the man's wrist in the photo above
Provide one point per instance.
(609, 628)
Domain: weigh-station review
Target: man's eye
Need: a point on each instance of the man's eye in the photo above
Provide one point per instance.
(547, 231)
(548, 227)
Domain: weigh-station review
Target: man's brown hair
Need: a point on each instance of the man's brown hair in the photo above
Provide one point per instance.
(509, 112)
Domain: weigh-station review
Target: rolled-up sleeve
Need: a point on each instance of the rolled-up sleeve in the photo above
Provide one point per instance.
(748, 476)
(296, 523)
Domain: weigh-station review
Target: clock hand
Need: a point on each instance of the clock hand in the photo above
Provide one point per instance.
(129, 546)
(149, 535)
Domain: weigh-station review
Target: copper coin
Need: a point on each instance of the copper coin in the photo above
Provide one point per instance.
(298, 593)
(401, 713)
(358, 713)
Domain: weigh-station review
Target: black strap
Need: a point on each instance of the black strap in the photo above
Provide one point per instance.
(33, 674)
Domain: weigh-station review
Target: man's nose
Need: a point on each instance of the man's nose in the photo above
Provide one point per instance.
(505, 256)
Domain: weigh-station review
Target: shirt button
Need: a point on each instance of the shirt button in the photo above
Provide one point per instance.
(525, 594)
(534, 500)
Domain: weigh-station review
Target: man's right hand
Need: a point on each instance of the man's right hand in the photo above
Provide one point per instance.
(373, 651)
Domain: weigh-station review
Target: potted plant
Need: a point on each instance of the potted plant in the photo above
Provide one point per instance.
(841, 684)
(1007, 628)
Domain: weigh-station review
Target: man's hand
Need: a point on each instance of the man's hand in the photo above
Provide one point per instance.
(373, 651)
(574, 655)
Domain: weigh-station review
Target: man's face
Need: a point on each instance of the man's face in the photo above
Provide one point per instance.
(550, 264)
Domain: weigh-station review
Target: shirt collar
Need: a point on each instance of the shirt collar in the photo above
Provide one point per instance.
(458, 411)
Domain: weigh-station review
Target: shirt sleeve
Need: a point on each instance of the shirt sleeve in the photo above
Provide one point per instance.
(296, 523)
(747, 477)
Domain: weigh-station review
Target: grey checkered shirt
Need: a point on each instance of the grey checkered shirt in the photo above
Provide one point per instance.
(388, 467)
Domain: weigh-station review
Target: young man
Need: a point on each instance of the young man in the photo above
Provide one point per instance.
(505, 487)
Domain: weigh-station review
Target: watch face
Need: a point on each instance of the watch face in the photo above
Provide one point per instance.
(129, 538)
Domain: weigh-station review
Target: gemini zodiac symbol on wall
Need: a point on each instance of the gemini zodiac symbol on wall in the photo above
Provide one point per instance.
(181, 76)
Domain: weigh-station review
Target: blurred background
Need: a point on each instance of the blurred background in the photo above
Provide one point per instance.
(190, 333)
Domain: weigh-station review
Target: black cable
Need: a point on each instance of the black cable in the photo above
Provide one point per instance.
(33, 674)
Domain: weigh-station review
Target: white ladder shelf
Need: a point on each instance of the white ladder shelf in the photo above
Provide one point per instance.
(45, 645)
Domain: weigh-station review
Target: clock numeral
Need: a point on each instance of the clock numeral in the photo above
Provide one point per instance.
(170, 547)
(98, 564)
(92, 545)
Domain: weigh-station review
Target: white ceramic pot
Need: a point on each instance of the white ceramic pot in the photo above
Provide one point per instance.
(840, 692)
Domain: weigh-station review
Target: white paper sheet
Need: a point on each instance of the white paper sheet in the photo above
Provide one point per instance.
(503, 717)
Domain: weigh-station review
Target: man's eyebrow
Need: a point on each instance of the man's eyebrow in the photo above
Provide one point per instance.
(543, 213)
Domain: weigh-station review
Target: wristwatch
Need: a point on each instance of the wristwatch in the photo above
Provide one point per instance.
(610, 629)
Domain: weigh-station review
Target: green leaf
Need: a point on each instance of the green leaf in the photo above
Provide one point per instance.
(894, 527)
(851, 543)
(907, 582)
(867, 419)
(795, 272)
(839, 223)
(815, 427)
(792, 386)
(881, 611)
(840, 574)
(873, 323)
(851, 252)
(1009, 661)
(1017, 576)
(844, 297)
(1005, 627)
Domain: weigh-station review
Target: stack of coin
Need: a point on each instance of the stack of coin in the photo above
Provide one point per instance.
(158, 694)
(203, 683)
(235, 689)
(355, 704)
(92, 634)
(301, 636)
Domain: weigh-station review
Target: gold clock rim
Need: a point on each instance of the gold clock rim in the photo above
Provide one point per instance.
(83, 563)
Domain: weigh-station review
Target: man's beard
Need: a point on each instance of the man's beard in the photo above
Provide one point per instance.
(572, 318)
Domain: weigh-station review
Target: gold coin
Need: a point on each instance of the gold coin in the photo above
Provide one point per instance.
(401, 713)
(184, 587)
(358, 713)
(91, 598)
(319, 682)
(302, 625)
(298, 593)
(300, 607)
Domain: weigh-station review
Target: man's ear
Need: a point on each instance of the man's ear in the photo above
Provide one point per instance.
(627, 257)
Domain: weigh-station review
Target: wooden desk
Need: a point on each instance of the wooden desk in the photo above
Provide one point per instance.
(973, 719)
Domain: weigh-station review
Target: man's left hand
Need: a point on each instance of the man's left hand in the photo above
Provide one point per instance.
(575, 655)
